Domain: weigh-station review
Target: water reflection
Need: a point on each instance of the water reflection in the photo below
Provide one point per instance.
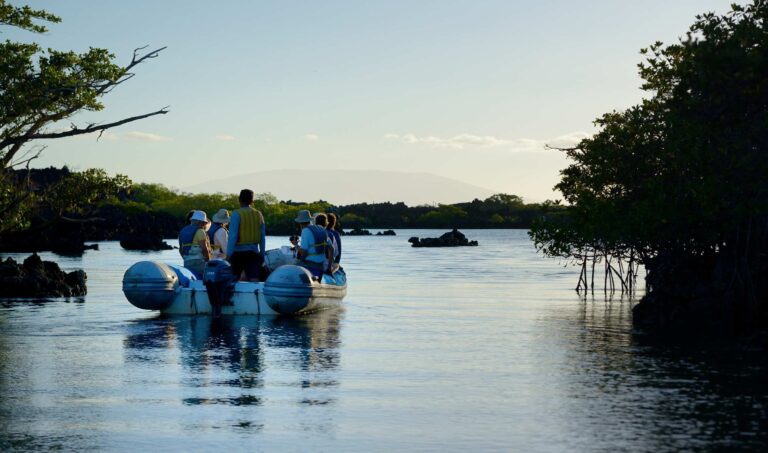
(39, 302)
(241, 353)
(659, 394)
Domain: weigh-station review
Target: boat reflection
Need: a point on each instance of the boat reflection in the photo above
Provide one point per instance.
(236, 360)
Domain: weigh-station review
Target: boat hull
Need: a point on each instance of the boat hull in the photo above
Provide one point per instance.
(292, 301)
(290, 290)
(247, 299)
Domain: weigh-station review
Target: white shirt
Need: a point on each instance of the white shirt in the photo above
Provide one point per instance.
(220, 239)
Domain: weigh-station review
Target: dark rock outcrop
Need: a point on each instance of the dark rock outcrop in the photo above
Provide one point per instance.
(143, 242)
(450, 239)
(38, 278)
(386, 233)
(357, 232)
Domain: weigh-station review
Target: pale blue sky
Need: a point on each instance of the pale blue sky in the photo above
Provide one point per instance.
(464, 89)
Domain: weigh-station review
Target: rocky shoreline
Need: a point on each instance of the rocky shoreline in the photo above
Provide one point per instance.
(35, 278)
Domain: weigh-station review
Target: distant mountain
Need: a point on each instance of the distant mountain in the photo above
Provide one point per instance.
(349, 186)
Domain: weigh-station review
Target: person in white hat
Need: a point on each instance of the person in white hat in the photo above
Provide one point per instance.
(193, 243)
(218, 234)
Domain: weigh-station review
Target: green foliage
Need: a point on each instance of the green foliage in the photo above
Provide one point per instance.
(39, 89)
(352, 220)
(16, 205)
(496, 219)
(183, 203)
(132, 208)
(277, 215)
(23, 17)
(684, 173)
(59, 193)
(150, 193)
(503, 200)
(52, 194)
(444, 215)
(80, 192)
(498, 211)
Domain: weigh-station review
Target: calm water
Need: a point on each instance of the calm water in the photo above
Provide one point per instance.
(484, 348)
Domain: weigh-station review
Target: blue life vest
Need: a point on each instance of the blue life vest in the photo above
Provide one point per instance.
(320, 237)
(185, 238)
(211, 231)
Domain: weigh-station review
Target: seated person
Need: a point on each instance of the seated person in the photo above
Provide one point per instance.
(194, 245)
(314, 248)
(294, 240)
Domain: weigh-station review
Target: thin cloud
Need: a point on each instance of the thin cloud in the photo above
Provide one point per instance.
(146, 137)
(312, 137)
(465, 141)
(460, 141)
(225, 138)
(568, 140)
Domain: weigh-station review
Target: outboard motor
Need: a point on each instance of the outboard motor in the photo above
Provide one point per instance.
(150, 285)
(219, 282)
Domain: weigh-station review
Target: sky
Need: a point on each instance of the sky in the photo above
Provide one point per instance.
(471, 90)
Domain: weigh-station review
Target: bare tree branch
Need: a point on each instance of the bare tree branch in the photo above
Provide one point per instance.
(26, 161)
(88, 220)
(137, 60)
(79, 131)
(11, 145)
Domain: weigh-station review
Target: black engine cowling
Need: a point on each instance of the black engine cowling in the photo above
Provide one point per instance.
(219, 281)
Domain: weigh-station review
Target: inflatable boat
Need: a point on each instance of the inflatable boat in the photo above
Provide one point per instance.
(173, 289)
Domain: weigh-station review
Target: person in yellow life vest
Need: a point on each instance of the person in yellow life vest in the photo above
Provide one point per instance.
(194, 245)
(247, 238)
(218, 234)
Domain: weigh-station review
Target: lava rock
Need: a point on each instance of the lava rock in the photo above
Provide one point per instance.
(143, 242)
(357, 232)
(38, 278)
(450, 239)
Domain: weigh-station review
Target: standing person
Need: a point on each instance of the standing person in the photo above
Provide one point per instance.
(247, 238)
(336, 237)
(218, 234)
(314, 246)
(194, 245)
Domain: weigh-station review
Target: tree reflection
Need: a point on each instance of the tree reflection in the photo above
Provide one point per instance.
(626, 387)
